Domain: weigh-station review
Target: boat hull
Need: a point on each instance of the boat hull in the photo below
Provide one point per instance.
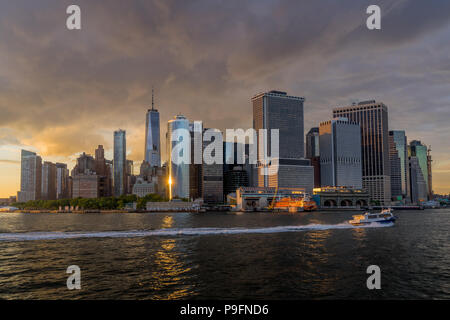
(384, 221)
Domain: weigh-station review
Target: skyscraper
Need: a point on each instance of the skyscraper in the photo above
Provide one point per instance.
(102, 170)
(152, 137)
(30, 177)
(373, 119)
(178, 172)
(85, 181)
(312, 143)
(340, 154)
(120, 149)
(195, 169)
(62, 181)
(418, 183)
(212, 177)
(396, 176)
(48, 181)
(420, 151)
(277, 110)
(313, 153)
(401, 146)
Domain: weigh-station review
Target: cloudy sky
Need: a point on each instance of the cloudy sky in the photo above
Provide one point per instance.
(63, 92)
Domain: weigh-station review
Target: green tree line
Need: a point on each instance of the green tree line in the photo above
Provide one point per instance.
(106, 203)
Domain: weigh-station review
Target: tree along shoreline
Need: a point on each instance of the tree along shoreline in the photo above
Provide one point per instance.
(106, 203)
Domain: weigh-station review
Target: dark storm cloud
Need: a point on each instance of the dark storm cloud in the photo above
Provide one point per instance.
(206, 58)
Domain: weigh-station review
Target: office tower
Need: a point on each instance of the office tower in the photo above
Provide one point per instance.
(85, 165)
(313, 153)
(231, 150)
(195, 169)
(372, 116)
(277, 110)
(312, 143)
(396, 169)
(120, 151)
(62, 181)
(340, 154)
(131, 178)
(235, 178)
(30, 177)
(399, 138)
(417, 180)
(104, 173)
(85, 181)
(212, 176)
(420, 151)
(145, 171)
(152, 137)
(178, 173)
(48, 181)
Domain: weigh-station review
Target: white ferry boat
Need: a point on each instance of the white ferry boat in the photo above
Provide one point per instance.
(385, 216)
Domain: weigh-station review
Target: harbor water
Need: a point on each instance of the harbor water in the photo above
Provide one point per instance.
(315, 255)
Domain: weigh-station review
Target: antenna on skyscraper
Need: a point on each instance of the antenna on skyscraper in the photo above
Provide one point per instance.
(153, 100)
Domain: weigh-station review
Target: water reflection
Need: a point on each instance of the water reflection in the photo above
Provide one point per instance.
(171, 274)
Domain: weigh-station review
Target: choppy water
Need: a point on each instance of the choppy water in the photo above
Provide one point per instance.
(223, 256)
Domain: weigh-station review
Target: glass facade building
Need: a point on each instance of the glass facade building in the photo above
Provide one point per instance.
(401, 146)
(178, 173)
(340, 154)
(30, 177)
(312, 143)
(120, 150)
(152, 138)
(420, 151)
(372, 116)
(277, 110)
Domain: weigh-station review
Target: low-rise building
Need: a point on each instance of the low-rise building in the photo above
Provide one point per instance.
(142, 187)
(330, 197)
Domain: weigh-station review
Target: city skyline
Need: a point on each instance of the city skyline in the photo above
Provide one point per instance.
(74, 106)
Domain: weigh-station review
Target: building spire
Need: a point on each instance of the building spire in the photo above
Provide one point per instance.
(153, 99)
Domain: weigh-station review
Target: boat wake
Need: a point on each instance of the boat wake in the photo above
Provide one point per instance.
(35, 236)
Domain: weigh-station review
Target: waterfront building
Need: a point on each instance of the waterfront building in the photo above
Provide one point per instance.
(8, 201)
(152, 137)
(420, 151)
(120, 149)
(62, 181)
(142, 187)
(85, 185)
(418, 183)
(329, 197)
(340, 153)
(372, 116)
(277, 110)
(256, 198)
(48, 181)
(230, 161)
(178, 173)
(401, 146)
(234, 178)
(30, 177)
